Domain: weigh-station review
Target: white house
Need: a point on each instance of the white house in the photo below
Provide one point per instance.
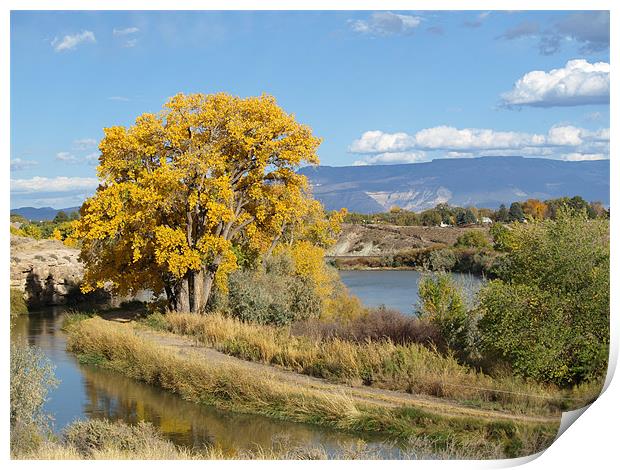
(486, 220)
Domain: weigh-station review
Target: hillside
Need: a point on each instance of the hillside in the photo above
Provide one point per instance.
(42, 213)
(382, 240)
(481, 182)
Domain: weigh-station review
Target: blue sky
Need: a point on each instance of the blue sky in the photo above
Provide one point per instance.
(378, 87)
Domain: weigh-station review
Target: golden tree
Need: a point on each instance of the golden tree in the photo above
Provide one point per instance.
(178, 188)
(535, 208)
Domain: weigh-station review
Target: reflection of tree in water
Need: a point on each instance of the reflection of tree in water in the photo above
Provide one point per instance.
(114, 396)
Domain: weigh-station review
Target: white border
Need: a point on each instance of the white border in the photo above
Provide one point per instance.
(591, 442)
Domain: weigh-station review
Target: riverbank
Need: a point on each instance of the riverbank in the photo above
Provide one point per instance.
(180, 365)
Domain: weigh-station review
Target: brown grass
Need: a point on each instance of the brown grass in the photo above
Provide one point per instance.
(381, 363)
(119, 348)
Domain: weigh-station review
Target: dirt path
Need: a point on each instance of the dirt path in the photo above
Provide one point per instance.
(185, 346)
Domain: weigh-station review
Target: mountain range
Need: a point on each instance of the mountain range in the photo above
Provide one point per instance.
(481, 182)
(42, 213)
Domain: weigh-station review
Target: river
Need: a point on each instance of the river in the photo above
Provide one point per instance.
(91, 392)
(396, 289)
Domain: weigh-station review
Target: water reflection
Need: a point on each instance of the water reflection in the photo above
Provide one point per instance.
(91, 392)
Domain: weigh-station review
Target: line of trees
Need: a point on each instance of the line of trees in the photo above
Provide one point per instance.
(60, 228)
(444, 214)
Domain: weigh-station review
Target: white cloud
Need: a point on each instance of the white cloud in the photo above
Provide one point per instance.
(70, 42)
(130, 43)
(125, 31)
(449, 142)
(118, 98)
(67, 157)
(392, 158)
(92, 158)
(41, 184)
(577, 83)
(564, 135)
(590, 30)
(444, 137)
(83, 144)
(377, 141)
(19, 164)
(386, 23)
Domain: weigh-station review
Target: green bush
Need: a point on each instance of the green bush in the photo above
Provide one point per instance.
(18, 304)
(442, 303)
(472, 239)
(32, 376)
(548, 313)
(273, 296)
(442, 260)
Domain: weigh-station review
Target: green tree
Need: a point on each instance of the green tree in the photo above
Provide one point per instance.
(515, 213)
(548, 313)
(502, 214)
(61, 217)
(472, 239)
(430, 218)
(466, 217)
(441, 302)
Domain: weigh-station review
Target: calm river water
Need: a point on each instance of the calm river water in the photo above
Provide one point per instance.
(91, 392)
(394, 289)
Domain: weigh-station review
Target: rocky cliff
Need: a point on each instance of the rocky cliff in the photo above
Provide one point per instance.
(47, 271)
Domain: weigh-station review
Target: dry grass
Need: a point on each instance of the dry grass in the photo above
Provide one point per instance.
(119, 348)
(413, 368)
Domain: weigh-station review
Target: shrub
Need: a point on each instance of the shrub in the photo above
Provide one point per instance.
(88, 437)
(548, 313)
(32, 376)
(18, 303)
(270, 298)
(442, 260)
(376, 325)
(472, 239)
(441, 303)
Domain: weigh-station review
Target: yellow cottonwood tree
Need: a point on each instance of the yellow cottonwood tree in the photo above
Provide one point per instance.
(178, 188)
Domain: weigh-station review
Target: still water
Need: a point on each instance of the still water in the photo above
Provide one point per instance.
(394, 289)
(92, 392)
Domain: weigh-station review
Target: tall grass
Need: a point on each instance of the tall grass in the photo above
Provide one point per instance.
(99, 439)
(119, 348)
(18, 303)
(412, 368)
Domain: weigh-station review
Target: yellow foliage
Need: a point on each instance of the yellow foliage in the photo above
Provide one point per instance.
(179, 187)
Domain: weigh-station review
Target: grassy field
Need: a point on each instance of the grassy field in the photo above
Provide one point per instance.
(118, 347)
(411, 368)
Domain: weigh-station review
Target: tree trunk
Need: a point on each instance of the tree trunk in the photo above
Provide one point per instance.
(200, 300)
(182, 296)
(208, 277)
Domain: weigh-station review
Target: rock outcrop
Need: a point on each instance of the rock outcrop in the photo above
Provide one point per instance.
(47, 271)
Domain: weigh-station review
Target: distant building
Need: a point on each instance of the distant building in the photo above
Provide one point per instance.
(443, 224)
(486, 220)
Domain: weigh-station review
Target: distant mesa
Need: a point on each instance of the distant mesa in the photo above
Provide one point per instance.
(482, 182)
